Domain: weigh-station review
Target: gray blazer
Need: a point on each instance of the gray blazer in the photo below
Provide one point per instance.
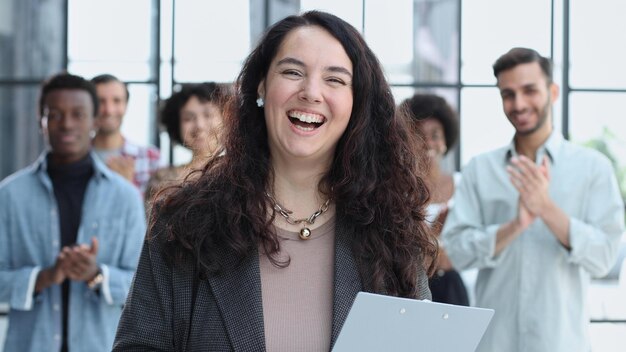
(226, 314)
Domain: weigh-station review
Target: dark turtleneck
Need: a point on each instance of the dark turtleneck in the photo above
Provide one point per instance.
(69, 182)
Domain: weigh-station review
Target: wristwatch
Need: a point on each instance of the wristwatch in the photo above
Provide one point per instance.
(95, 283)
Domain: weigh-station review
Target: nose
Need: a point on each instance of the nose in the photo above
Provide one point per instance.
(201, 122)
(105, 108)
(66, 122)
(432, 144)
(311, 91)
(519, 103)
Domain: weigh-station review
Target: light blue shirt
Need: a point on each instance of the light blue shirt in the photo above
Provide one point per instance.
(30, 241)
(537, 287)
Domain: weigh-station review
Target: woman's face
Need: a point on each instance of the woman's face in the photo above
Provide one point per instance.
(435, 137)
(308, 96)
(200, 126)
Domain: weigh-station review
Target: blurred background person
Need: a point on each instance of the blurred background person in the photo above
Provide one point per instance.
(70, 233)
(134, 162)
(538, 217)
(438, 124)
(193, 118)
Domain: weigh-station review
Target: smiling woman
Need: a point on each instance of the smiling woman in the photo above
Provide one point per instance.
(317, 194)
(308, 99)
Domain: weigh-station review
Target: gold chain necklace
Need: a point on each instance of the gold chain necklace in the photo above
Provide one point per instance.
(305, 232)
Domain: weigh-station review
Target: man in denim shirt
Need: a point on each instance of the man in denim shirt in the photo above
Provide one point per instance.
(71, 232)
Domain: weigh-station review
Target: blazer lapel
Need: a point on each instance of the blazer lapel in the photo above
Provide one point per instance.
(238, 296)
(347, 279)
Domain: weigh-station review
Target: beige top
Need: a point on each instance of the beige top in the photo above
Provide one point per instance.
(298, 299)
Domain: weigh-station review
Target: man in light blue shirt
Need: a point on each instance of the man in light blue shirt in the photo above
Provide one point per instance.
(538, 217)
(71, 232)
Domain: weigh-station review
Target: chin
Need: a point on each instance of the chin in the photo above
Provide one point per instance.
(106, 130)
(300, 153)
(525, 131)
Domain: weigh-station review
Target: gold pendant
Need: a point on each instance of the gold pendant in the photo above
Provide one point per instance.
(305, 233)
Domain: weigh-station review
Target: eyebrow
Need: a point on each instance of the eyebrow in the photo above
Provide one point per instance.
(530, 85)
(525, 86)
(293, 61)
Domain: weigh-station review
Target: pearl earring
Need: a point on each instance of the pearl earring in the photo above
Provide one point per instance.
(260, 102)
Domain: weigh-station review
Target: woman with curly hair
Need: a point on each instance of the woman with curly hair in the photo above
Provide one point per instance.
(193, 118)
(437, 123)
(319, 196)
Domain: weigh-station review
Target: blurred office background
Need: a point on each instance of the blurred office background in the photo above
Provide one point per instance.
(442, 46)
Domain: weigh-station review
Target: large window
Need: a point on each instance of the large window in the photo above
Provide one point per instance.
(597, 87)
(103, 39)
(445, 46)
(28, 54)
(211, 39)
(489, 29)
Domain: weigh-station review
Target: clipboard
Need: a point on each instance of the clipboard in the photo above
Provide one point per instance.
(385, 323)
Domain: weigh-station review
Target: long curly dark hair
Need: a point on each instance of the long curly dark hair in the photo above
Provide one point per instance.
(375, 178)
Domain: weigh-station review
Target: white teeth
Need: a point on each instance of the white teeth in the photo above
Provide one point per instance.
(304, 117)
(306, 129)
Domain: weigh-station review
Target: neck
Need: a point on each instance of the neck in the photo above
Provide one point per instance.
(295, 187)
(435, 170)
(528, 145)
(109, 141)
(201, 156)
(59, 160)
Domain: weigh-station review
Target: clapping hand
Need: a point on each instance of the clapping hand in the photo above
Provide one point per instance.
(532, 182)
(79, 262)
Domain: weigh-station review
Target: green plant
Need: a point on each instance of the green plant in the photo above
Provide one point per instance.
(602, 144)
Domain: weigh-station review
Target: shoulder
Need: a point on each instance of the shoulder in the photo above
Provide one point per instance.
(166, 174)
(162, 178)
(586, 158)
(484, 163)
(137, 150)
(165, 245)
(456, 178)
(570, 149)
(162, 175)
(499, 155)
(114, 183)
(123, 185)
(24, 178)
(157, 231)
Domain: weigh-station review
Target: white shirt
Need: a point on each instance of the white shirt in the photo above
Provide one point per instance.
(537, 287)
(434, 209)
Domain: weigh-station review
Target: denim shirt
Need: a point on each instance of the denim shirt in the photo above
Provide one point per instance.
(30, 242)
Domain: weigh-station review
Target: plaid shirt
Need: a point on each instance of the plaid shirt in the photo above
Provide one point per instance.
(147, 162)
